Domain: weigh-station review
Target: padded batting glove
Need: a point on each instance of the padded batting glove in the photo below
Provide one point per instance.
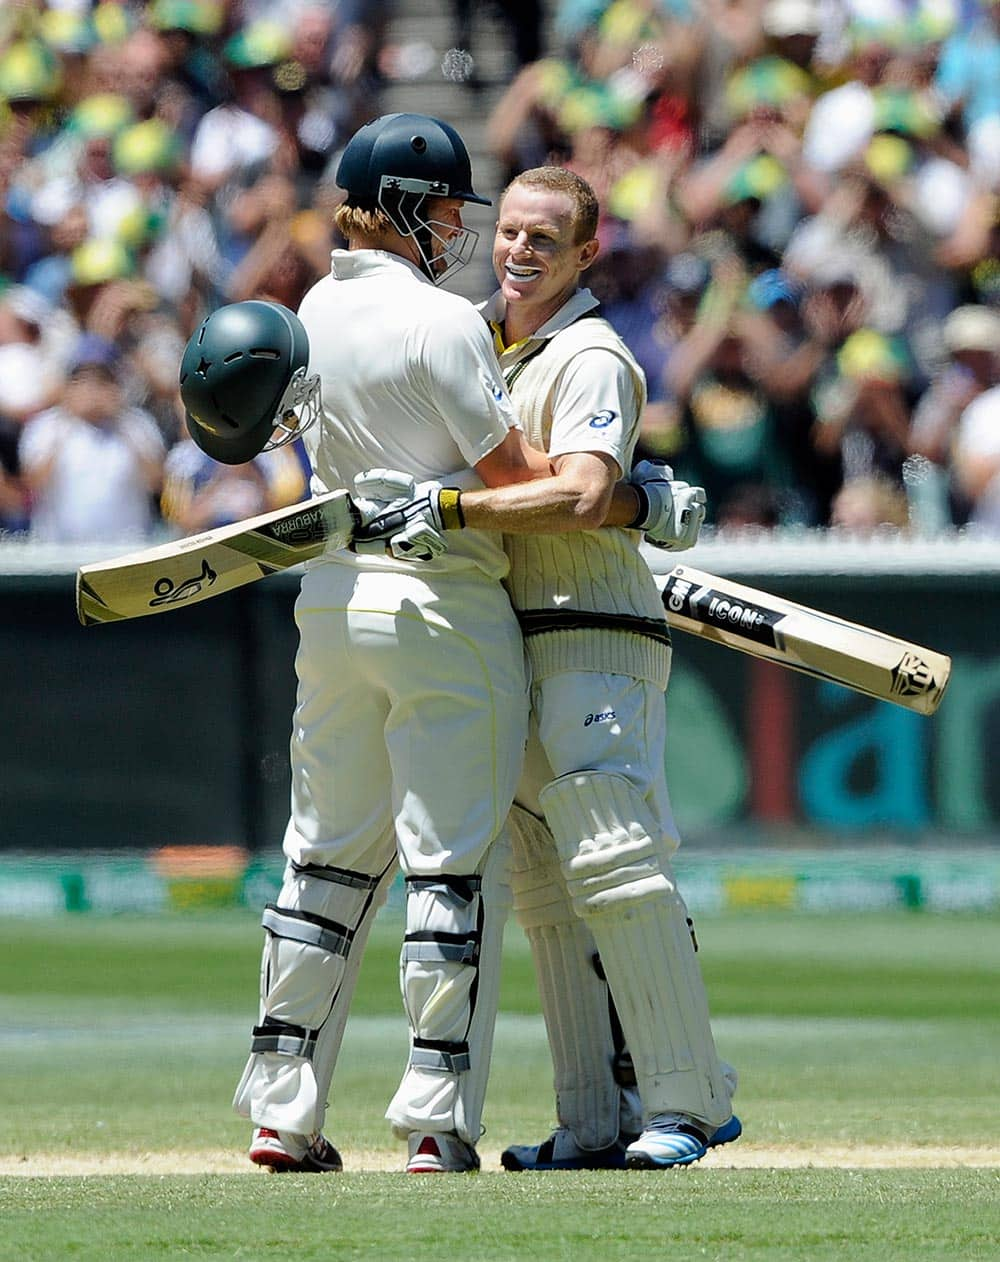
(670, 512)
(410, 525)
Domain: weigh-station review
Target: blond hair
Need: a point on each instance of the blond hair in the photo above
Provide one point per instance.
(361, 221)
(586, 209)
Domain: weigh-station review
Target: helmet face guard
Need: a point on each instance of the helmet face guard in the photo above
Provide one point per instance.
(403, 202)
(244, 381)
(299, 408)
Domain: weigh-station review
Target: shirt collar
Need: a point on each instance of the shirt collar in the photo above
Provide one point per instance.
(494, 309)
(352, 264)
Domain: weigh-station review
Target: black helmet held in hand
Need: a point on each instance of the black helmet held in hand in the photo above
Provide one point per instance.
(243, 381)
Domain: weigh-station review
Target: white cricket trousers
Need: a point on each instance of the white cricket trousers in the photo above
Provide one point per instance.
(408, 739)
(412, 712)
(595, 768)
(604, 722)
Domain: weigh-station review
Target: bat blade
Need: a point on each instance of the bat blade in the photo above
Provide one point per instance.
(186, 571)
(808, 640)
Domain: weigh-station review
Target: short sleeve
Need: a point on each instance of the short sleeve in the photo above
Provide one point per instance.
(596, 408)
(464, 382)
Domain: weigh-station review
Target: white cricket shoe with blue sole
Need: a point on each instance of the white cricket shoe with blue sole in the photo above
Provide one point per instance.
(671, 1139)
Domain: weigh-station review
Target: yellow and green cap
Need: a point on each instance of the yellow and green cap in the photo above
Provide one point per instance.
(100, 115)
(98, 260)
(757, 179)
(145, 148)
(199, 17)
(872, 355)
(29, 71)
(261, 43)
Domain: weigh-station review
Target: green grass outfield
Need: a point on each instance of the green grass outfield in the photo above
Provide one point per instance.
(868, 1049)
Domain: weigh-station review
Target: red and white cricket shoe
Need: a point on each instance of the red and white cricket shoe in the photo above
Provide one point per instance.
(440, 1153)
(283, 1152)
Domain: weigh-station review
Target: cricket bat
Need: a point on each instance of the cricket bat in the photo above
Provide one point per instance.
(189, 570)
(804, 639)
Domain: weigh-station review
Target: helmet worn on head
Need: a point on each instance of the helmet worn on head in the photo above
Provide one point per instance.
(412, 152)
(243, 381)
(399, 161)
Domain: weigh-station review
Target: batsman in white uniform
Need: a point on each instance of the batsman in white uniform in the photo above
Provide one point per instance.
(412, 709)
(594, 832)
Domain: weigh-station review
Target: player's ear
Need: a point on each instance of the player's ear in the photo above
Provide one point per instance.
(588, 252)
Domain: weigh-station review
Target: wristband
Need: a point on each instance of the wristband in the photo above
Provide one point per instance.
(450, 508)
(642, 514)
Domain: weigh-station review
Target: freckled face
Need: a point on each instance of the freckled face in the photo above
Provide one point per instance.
(536, 257)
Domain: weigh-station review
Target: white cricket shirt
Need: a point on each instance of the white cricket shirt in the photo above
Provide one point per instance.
(410, 381)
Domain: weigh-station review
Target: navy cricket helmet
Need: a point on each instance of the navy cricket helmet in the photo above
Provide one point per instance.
(410, 153)
(399, 162)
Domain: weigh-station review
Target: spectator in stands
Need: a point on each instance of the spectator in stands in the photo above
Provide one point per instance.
(842, 121)
(863, 415)
(169, 66)
(789, 332)
(674, 300)
(866, 505)
(972, 339)
(28, 383)
(241, 134)
(907, 294)
(968, 81)
(201, 494)
(91, 464)
(957, 422)
(41, 337)
(730, 443)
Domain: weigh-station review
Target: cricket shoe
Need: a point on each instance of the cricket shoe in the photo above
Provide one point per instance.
(285, 1153)
(440, 1153)
(561, 1151)
(672, 1139)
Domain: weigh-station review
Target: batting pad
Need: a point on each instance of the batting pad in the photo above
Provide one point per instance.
(450, 978)
(620, 881)
(316, 934)
(573, 996)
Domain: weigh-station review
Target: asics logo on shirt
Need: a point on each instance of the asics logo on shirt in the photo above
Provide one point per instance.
(602, 716)
(601, 420)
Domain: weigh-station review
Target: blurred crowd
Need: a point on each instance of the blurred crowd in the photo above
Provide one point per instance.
(800, 236)
(156, 161)
(800, 242)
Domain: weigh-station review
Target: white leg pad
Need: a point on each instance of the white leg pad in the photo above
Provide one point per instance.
(450, 978)
(573, 996)
(616, 862)
(316, 933)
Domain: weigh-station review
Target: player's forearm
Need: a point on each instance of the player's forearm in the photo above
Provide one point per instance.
(549, 506)
(544, 506)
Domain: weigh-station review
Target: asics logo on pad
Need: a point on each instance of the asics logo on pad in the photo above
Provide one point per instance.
(602, 716)
(601, 420)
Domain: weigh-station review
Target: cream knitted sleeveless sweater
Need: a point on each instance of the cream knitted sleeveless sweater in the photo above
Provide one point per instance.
(587, 600)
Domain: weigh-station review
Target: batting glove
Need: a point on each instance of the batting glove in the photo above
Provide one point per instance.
(411, 527)
(670, 512)
(379, 489)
